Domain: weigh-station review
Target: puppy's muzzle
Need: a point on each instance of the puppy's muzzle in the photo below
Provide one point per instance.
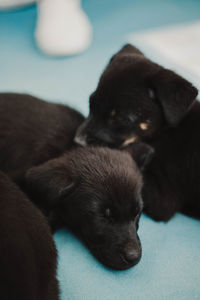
(80, 140)
(81, 136)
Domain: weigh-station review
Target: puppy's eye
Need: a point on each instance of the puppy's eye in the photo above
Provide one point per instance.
(144, 125)
(126, 120)
(108, 212)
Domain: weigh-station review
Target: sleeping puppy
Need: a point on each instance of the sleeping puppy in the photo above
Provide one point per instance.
(137, 99)
(95, 192)
(28, 256)
(33, 131)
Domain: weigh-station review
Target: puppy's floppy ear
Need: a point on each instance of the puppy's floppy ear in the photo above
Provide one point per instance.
(49, 182)
(174, 93)
(126, 49)
(142, 153)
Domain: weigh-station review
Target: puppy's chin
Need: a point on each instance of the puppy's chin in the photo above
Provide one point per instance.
(82, 141)
(120, 264)
(114, 261)
(123, 265)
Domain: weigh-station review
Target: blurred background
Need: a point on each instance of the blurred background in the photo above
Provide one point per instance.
(168, 31)
(115, 22)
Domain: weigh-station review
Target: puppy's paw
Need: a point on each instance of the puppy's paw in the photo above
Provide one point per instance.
(142, 153)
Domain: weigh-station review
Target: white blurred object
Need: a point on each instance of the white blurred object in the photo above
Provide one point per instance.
(176, 47)
(62, 27)
(12, 4)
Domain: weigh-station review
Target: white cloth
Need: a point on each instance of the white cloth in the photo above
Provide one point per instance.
(62, 27)
(176, 47)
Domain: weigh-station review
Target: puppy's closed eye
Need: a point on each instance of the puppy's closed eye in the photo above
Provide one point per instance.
(125, 121)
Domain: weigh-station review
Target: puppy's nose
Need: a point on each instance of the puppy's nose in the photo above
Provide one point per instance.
(80, 140)
(132, 255)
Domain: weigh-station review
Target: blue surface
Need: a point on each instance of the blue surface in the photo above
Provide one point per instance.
(169, 269)
(170, 266)
(71, 80)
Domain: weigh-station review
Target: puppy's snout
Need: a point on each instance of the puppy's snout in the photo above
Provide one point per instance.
(132, 254)
(81, 137)
(82, 133)
(80, 140)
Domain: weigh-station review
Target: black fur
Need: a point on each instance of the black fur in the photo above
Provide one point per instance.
(137, 99)
(33, 131)
(172, 178)
(94, 191)
(28, 256)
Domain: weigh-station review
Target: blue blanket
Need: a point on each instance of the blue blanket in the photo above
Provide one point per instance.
(169, 269)
(170, 266)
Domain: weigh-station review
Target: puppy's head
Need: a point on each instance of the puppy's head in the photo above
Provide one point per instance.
(96, 192)
(135, 98)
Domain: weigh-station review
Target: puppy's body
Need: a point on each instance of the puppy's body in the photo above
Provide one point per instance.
(33, 131)
(27, 251)
(172, 181)
(135, 100)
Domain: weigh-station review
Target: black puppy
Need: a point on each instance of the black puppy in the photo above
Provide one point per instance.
(33, 131)
(96, 192)
(137, 99)
(28, 256)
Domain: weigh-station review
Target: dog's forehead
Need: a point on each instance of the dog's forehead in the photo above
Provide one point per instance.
(124, 186)
(124, 87)
(121, 195)
(133, 62)
(125, 203)
(127, 71)
(111, 169)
